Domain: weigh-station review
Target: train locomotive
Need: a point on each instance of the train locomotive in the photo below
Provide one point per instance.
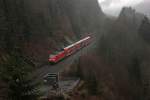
(69, 50)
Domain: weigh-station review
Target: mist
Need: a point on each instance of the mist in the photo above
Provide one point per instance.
(74, 50)
(113, 7)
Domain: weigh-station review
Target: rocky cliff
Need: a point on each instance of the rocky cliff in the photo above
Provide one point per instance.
(120, 64)
(86, 15)
(40, 27)
(131, 18)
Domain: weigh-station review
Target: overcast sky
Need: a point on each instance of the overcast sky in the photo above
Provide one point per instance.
(113, 7)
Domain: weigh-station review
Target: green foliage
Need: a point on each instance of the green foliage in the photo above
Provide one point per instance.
(14, 73)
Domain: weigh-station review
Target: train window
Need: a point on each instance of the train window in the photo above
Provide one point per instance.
(53, 54)
(50, 56)
(56, 52)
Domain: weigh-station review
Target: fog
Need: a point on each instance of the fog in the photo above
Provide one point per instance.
(113, 7)
(74, 49)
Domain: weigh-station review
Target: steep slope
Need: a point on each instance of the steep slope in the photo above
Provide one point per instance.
(37, 28)
(34, 28)
(130, 18)
(86, 15)
(41, 27)
(120, 60)
(50, 26)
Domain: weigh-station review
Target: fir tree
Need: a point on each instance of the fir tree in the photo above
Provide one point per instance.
(15, 74)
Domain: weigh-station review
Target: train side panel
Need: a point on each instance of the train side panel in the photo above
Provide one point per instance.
(60, 56)
(77, 46)
(71, 49)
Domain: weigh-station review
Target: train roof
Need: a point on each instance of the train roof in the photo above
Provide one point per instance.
(77, 42)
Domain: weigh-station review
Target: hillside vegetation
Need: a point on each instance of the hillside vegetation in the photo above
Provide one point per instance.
(121, 61)
(117, 68)
(41, 27)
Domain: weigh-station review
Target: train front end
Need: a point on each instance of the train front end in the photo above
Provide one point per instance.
(52, 59)
(57, 57)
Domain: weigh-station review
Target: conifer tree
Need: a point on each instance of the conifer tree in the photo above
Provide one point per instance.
(15, 74)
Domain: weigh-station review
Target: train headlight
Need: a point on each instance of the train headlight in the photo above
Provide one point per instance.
(52, 59)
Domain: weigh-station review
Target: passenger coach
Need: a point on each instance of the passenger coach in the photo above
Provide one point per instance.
(69, 50)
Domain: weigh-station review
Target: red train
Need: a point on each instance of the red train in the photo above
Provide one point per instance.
(69, 50)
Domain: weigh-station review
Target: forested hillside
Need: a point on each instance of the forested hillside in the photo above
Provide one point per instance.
(115, 68)
(40, 27)
(30, 30)
(120, 63)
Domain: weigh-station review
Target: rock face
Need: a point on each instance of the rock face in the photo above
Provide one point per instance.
(130, 18)
(121, 61)
(40, 27)
(86, 15)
